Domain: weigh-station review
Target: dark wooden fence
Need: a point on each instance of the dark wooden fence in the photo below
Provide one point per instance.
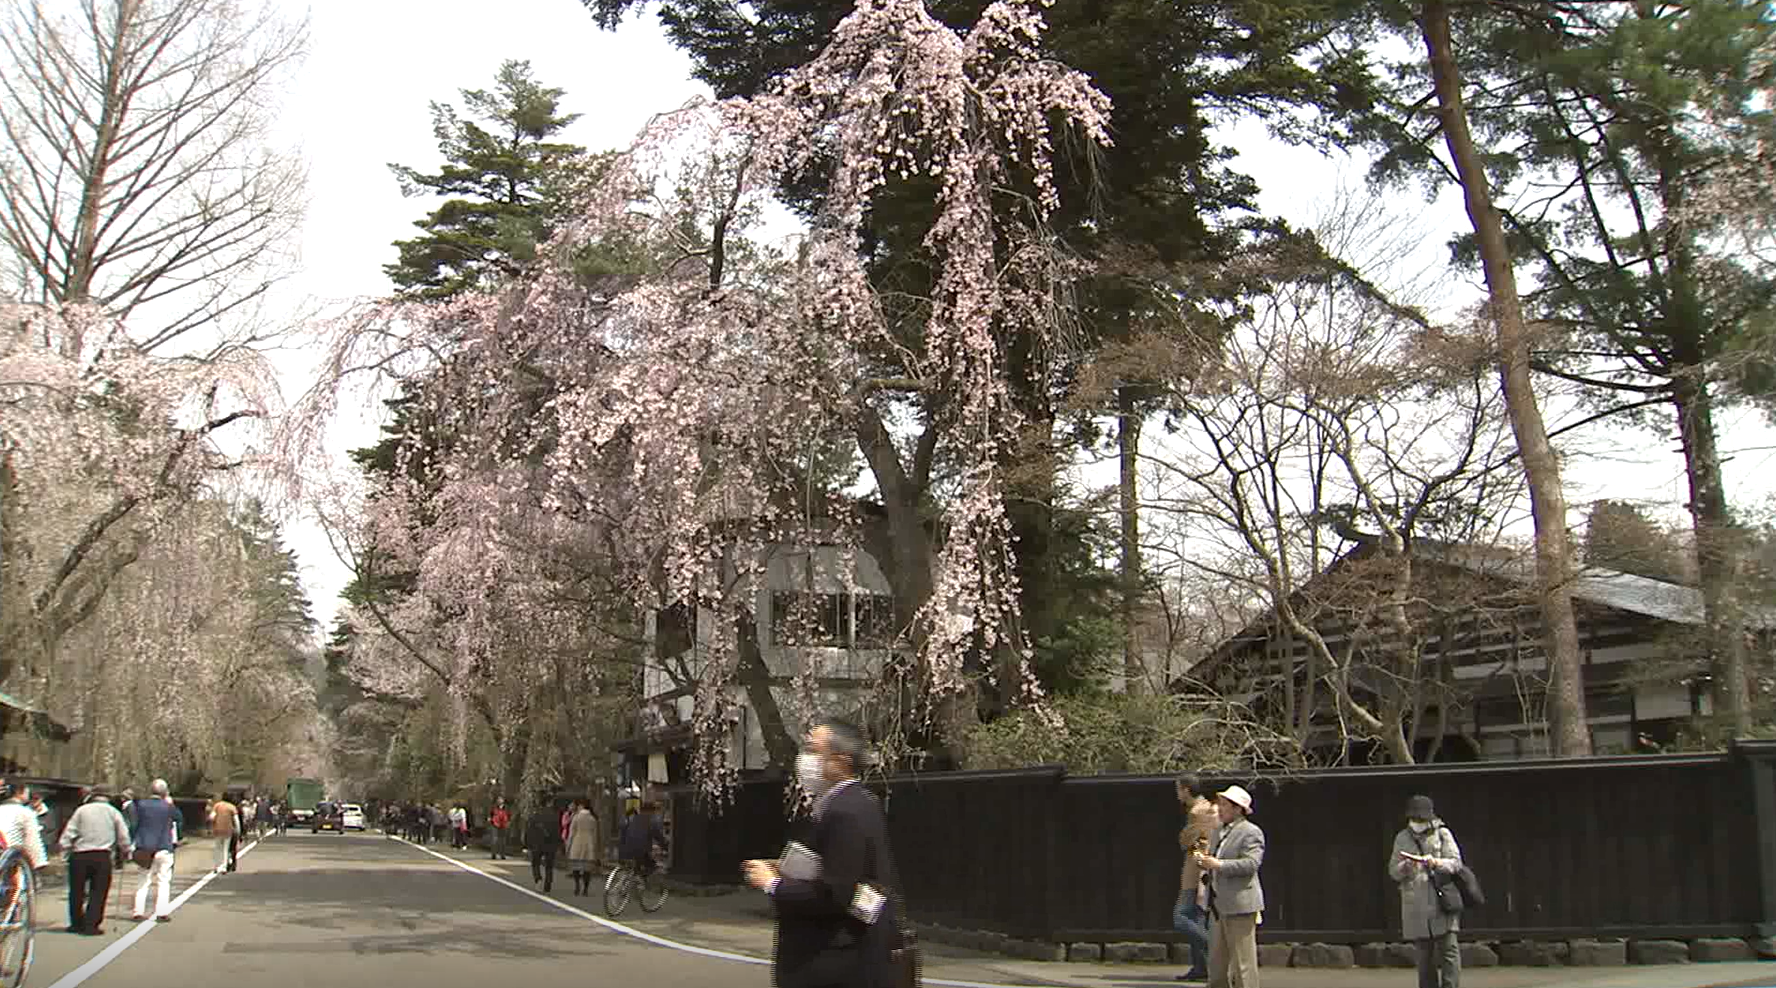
(1657, 845)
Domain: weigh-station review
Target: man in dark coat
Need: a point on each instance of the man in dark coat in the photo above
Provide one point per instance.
(836, 929)
(641, 833)
(542, 838)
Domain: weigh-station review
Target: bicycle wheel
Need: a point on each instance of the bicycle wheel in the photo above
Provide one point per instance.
(617, 887)
(652, 894)
(18, 930)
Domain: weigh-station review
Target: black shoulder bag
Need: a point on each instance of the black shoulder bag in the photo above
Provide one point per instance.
(1454, 892)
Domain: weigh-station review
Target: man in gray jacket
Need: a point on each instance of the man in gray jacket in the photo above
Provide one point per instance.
(1236, 896)
(96, 834)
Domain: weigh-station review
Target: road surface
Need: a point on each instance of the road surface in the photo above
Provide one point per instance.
(326, 911)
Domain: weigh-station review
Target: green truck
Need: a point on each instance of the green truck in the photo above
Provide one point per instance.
(301, 796)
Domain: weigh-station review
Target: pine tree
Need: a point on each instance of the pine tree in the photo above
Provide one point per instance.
(1620, 536)
(505, 182)
(1610, 117)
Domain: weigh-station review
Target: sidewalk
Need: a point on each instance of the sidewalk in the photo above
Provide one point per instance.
(741, 923)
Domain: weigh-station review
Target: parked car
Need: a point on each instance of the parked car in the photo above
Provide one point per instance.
(329, 816)
(351, 816)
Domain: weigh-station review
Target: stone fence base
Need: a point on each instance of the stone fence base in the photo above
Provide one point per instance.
(1478, 952)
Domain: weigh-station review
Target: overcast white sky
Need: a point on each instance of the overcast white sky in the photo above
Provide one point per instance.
(360, 102)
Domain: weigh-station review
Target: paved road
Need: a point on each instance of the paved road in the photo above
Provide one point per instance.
(322, 911)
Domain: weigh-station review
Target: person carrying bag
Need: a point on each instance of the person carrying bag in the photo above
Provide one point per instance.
(1425, 865)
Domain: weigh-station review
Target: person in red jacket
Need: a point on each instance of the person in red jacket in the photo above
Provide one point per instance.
(499, 820)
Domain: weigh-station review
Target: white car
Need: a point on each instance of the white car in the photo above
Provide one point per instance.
(353, 816)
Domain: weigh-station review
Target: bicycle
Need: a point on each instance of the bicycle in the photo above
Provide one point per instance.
(622, 882)
(18, 929)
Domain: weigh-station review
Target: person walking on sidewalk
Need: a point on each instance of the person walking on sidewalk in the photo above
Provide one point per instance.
(582, 846)
(1425, 856)
(95, 834)
(1191, 914)
(542, 838)
(225, 826)
(1236, 896)
(497, 823)
(459, 826)
(155, 840)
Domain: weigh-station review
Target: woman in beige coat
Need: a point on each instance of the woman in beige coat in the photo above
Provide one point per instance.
(582, 846)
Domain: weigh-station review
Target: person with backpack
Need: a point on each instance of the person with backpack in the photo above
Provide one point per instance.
(1425, 864)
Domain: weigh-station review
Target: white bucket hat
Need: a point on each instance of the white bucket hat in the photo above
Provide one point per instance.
(1237, 796)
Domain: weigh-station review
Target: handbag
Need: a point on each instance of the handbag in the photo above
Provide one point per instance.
(143, 857)
(1469, 884)
(1449, 897)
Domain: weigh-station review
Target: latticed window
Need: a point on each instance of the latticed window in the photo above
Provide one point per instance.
(877, 625)
(815, 620)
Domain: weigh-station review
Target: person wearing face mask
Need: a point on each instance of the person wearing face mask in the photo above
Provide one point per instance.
(1425, 856)
(837, 928)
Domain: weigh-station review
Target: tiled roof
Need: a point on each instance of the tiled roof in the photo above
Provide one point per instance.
(1644, 595)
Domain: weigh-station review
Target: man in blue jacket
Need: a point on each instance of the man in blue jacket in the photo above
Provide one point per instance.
(157, 823)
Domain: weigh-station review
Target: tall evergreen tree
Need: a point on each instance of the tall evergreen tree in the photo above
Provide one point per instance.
(1620, 536)
(1609, 117)
(506, 181)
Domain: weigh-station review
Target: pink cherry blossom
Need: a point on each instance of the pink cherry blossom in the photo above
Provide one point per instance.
(654, 416)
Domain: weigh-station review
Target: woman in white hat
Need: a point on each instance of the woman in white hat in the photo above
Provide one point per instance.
(1236, 896)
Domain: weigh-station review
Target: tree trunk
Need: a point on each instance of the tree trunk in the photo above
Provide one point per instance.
(905, 549)
(1128, 447)
(1716, 552)
(77, 282)
(1568, 733)
(755, 678)
(514, 749)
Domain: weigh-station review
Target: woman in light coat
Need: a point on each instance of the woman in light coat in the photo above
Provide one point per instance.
(1425, 849)
(582, 846)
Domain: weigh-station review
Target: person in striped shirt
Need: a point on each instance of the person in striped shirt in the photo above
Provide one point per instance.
(18, 824)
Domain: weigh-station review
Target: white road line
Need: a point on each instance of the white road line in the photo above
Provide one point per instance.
(630, 931)
(85, 971)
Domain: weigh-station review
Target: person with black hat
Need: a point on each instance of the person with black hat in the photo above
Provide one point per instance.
(96, 834)
(1426, 856)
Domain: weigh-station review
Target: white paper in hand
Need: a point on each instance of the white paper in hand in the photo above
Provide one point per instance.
(799, 862)
(867, 904)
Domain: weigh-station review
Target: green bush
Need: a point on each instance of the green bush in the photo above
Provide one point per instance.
(1097, 734)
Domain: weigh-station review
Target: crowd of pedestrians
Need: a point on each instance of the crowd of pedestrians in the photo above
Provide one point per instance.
(565, 834)
(428, 823)
(103, 834)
